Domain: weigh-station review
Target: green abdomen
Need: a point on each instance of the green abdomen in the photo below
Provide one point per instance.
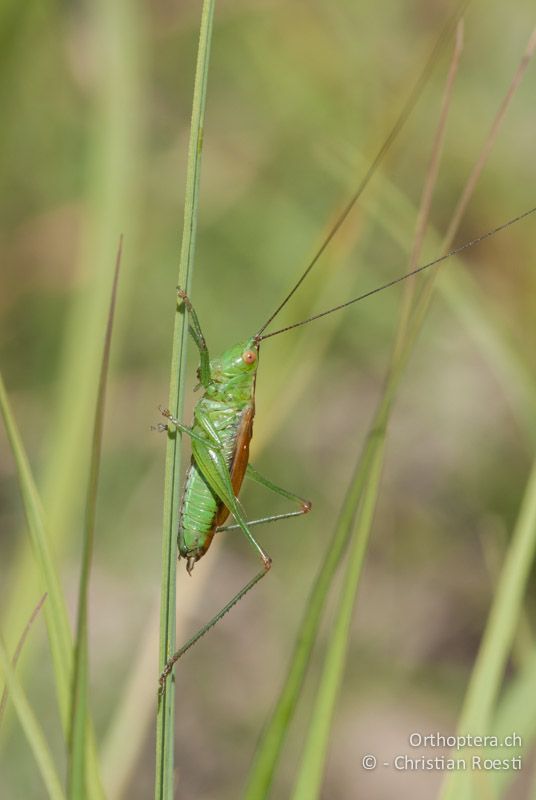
(199, 503)
(198, 509)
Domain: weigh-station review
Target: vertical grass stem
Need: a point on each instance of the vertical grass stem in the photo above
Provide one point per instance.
(172, 486)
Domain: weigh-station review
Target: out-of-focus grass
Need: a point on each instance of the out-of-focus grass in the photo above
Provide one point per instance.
(481, 699)
(18, 650)
(92, 54)
(32, 730)
(295, 88)
(56, 611)
(80, 740)
(59, 635)
(310, 776)
(357, 512)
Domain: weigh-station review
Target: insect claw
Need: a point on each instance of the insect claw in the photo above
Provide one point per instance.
(163, 679)
(160, 427)
(181, 294)
(306, 506)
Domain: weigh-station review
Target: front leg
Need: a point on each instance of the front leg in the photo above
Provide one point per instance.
(180, 426)
(197, 335)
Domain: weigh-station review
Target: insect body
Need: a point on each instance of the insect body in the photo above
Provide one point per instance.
(223, 421)
(220, 434)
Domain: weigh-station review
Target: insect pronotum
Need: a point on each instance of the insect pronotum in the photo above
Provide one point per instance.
(223, 418)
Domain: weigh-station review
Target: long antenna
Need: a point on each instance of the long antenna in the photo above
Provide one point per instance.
(395, 130)
(401, 278)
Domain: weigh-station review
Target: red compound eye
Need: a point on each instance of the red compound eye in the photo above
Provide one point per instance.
(249, 357)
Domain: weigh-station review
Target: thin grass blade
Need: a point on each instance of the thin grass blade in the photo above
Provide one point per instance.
(164, 778)
(423, 301)
(55, 610)
(309, 781)
(80, 692)
(516, 711)
(111, 190)
(32, 729)
(461, 293)
(18, 650)
(430, 182)
(368, 465)
(273, 736)
(58, 628)
(498, 637)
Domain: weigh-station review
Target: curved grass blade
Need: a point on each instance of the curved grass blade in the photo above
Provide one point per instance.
(475, 316)
(32, 729)
(461, 292)
(369, 461)
(172, 487)
(79, 727)
(272, 739)
(136, 702)
(516, 712)
(309, 779)
(137, 698)
(404, 115)
(423, 300)
(312, 766)
(485, 153)
(271, 743)
(423, 215)
(498, 637)
(58, 629)
(55, 610)
(110, 197)
(18, 649)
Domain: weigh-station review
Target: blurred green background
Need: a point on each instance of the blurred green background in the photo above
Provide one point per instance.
(96, 100)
